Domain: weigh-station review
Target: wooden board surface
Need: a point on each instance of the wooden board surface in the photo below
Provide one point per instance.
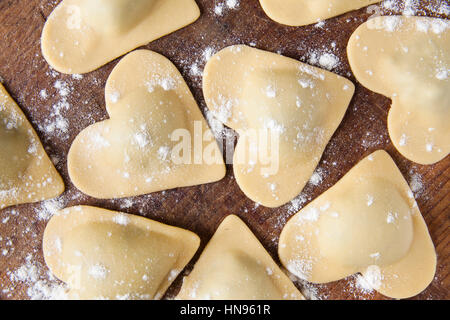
(37, 90)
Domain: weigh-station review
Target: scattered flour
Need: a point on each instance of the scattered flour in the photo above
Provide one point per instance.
(370, 200)
(43, 94)
(323, 58)
(411, 8)
(208, 53)
(271, 92)
(301, 268)
(56, 124)
(403, 140)
(40, 286)
(416, 183)
(297, 203)
(114, 96)
(98, 272)
(77, 76)
(371, 280)
(328, 61)
(62, 87)
(126, 203)
(121, 219)
(49, 208)
(442, 74)
(391, 217)
(166, 83)
(222, 7)
(195, 70)
(317, 177)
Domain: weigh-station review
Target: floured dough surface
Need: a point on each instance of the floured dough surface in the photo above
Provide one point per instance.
(82, 35)
(254, 91)
(408, 60)
(103, 254)
(131, 153)
(26, 173)
(235, 266)
(368, 222)
(304, 12)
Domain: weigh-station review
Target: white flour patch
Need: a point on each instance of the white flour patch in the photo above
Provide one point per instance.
(98, 272)
(43, 94)
(121, 219)
(222, 7)
(371, 280)
(323, 58)
(415, 183)
(328, 61)
(301, 268)
(317, 177)
(41, 286)
(208, 53)
(49, 208)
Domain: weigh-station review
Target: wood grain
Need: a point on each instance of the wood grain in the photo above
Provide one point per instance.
(201, 209)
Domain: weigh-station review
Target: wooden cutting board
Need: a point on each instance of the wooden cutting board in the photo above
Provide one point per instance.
(40, 92)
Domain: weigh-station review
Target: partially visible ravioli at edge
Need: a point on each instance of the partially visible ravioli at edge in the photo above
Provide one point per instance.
(407, 59)
(103, 254)
(305, 12)
(26, 173)
(235, 266)
(83, 35)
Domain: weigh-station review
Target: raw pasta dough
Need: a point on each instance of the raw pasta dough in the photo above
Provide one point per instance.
(82, 35)
(304, 12)
(368, 222)
(408, 59)
(102, 254)
(254, 91)
(235, 266)
(26, 173)
(131, 153)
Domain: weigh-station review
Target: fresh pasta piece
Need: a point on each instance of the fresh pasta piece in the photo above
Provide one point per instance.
(26, 172)
(82, 35)
(235, 266)
(135, 152)
(292, 106)
(304, 12)
(368, 222)
(102, 254)
(408, 59)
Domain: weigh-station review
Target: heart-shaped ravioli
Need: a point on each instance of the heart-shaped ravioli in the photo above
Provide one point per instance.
(156, 138)
(26, 173)
(368, 222)
(304, 12)
(235, 266)
(82, 35)
(103, 254)
(408, 59)
(285, 112)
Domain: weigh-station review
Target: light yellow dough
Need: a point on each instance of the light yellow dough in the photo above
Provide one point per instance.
(253, 90)
(103, 254)
(304, 12)
(235, 266)
(368, 222)
(26, 173)
(82, 35)
(408, 60)
(131, 153)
